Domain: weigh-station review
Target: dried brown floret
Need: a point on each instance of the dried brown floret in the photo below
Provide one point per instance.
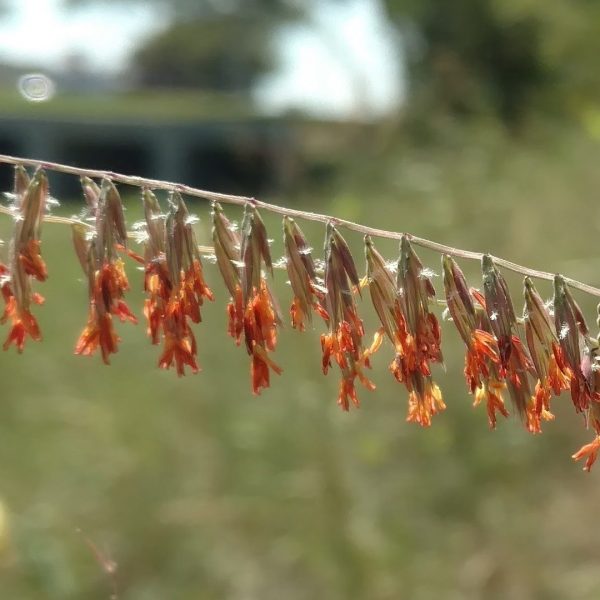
(383, 291)
(572, 333)
(515, 362)
(553, 373)
(260, 311)
(107, 281)
(303, 277)
(26, 262)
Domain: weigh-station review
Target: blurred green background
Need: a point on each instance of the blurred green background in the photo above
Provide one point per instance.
(195, 488)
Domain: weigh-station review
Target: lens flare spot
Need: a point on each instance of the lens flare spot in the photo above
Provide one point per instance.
(36, 87)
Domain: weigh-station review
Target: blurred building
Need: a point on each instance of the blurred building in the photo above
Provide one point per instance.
(205, 140)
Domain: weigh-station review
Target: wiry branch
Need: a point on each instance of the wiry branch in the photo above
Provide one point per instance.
(157, 184)
(556, 352)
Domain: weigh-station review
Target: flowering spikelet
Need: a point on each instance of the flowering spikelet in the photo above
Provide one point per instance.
(157, 283)
(227, 243)
(481, 346)
(183, 260)
(554, 375)
(383, 292)
(81, 233)
(482, 358)
(176, 283)
(418, 343)
(573, 339)
(515, 362)
(384, 297)
(107, 281)
(344, 341)
(26, 262)
(261, 315)
(303, 278)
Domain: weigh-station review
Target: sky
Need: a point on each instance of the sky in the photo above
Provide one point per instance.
(344, 64)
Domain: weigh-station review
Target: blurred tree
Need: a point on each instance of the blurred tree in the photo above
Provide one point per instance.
(468, 56)
(225, 54)
(221, 45)
(472, 55)
(193, 9)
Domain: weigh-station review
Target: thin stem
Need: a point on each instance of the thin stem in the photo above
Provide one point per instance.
(51, 218)
(66, 221)
(290, 212)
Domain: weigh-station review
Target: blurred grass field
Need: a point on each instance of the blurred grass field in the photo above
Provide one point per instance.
(158, 106)
(198, 490)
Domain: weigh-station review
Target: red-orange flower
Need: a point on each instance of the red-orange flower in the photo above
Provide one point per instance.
(98, 333)
(32, 261)
(235, 313)
(424, 400)
(168, 319)
(17, 311)
(492, 384)
(158, 286)
(260, 334)
(480, 352)
(179, 341)
(107, 288)
(341, 346)
(23, 323)
(589, 451)
(490, 393)
(260, 324)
